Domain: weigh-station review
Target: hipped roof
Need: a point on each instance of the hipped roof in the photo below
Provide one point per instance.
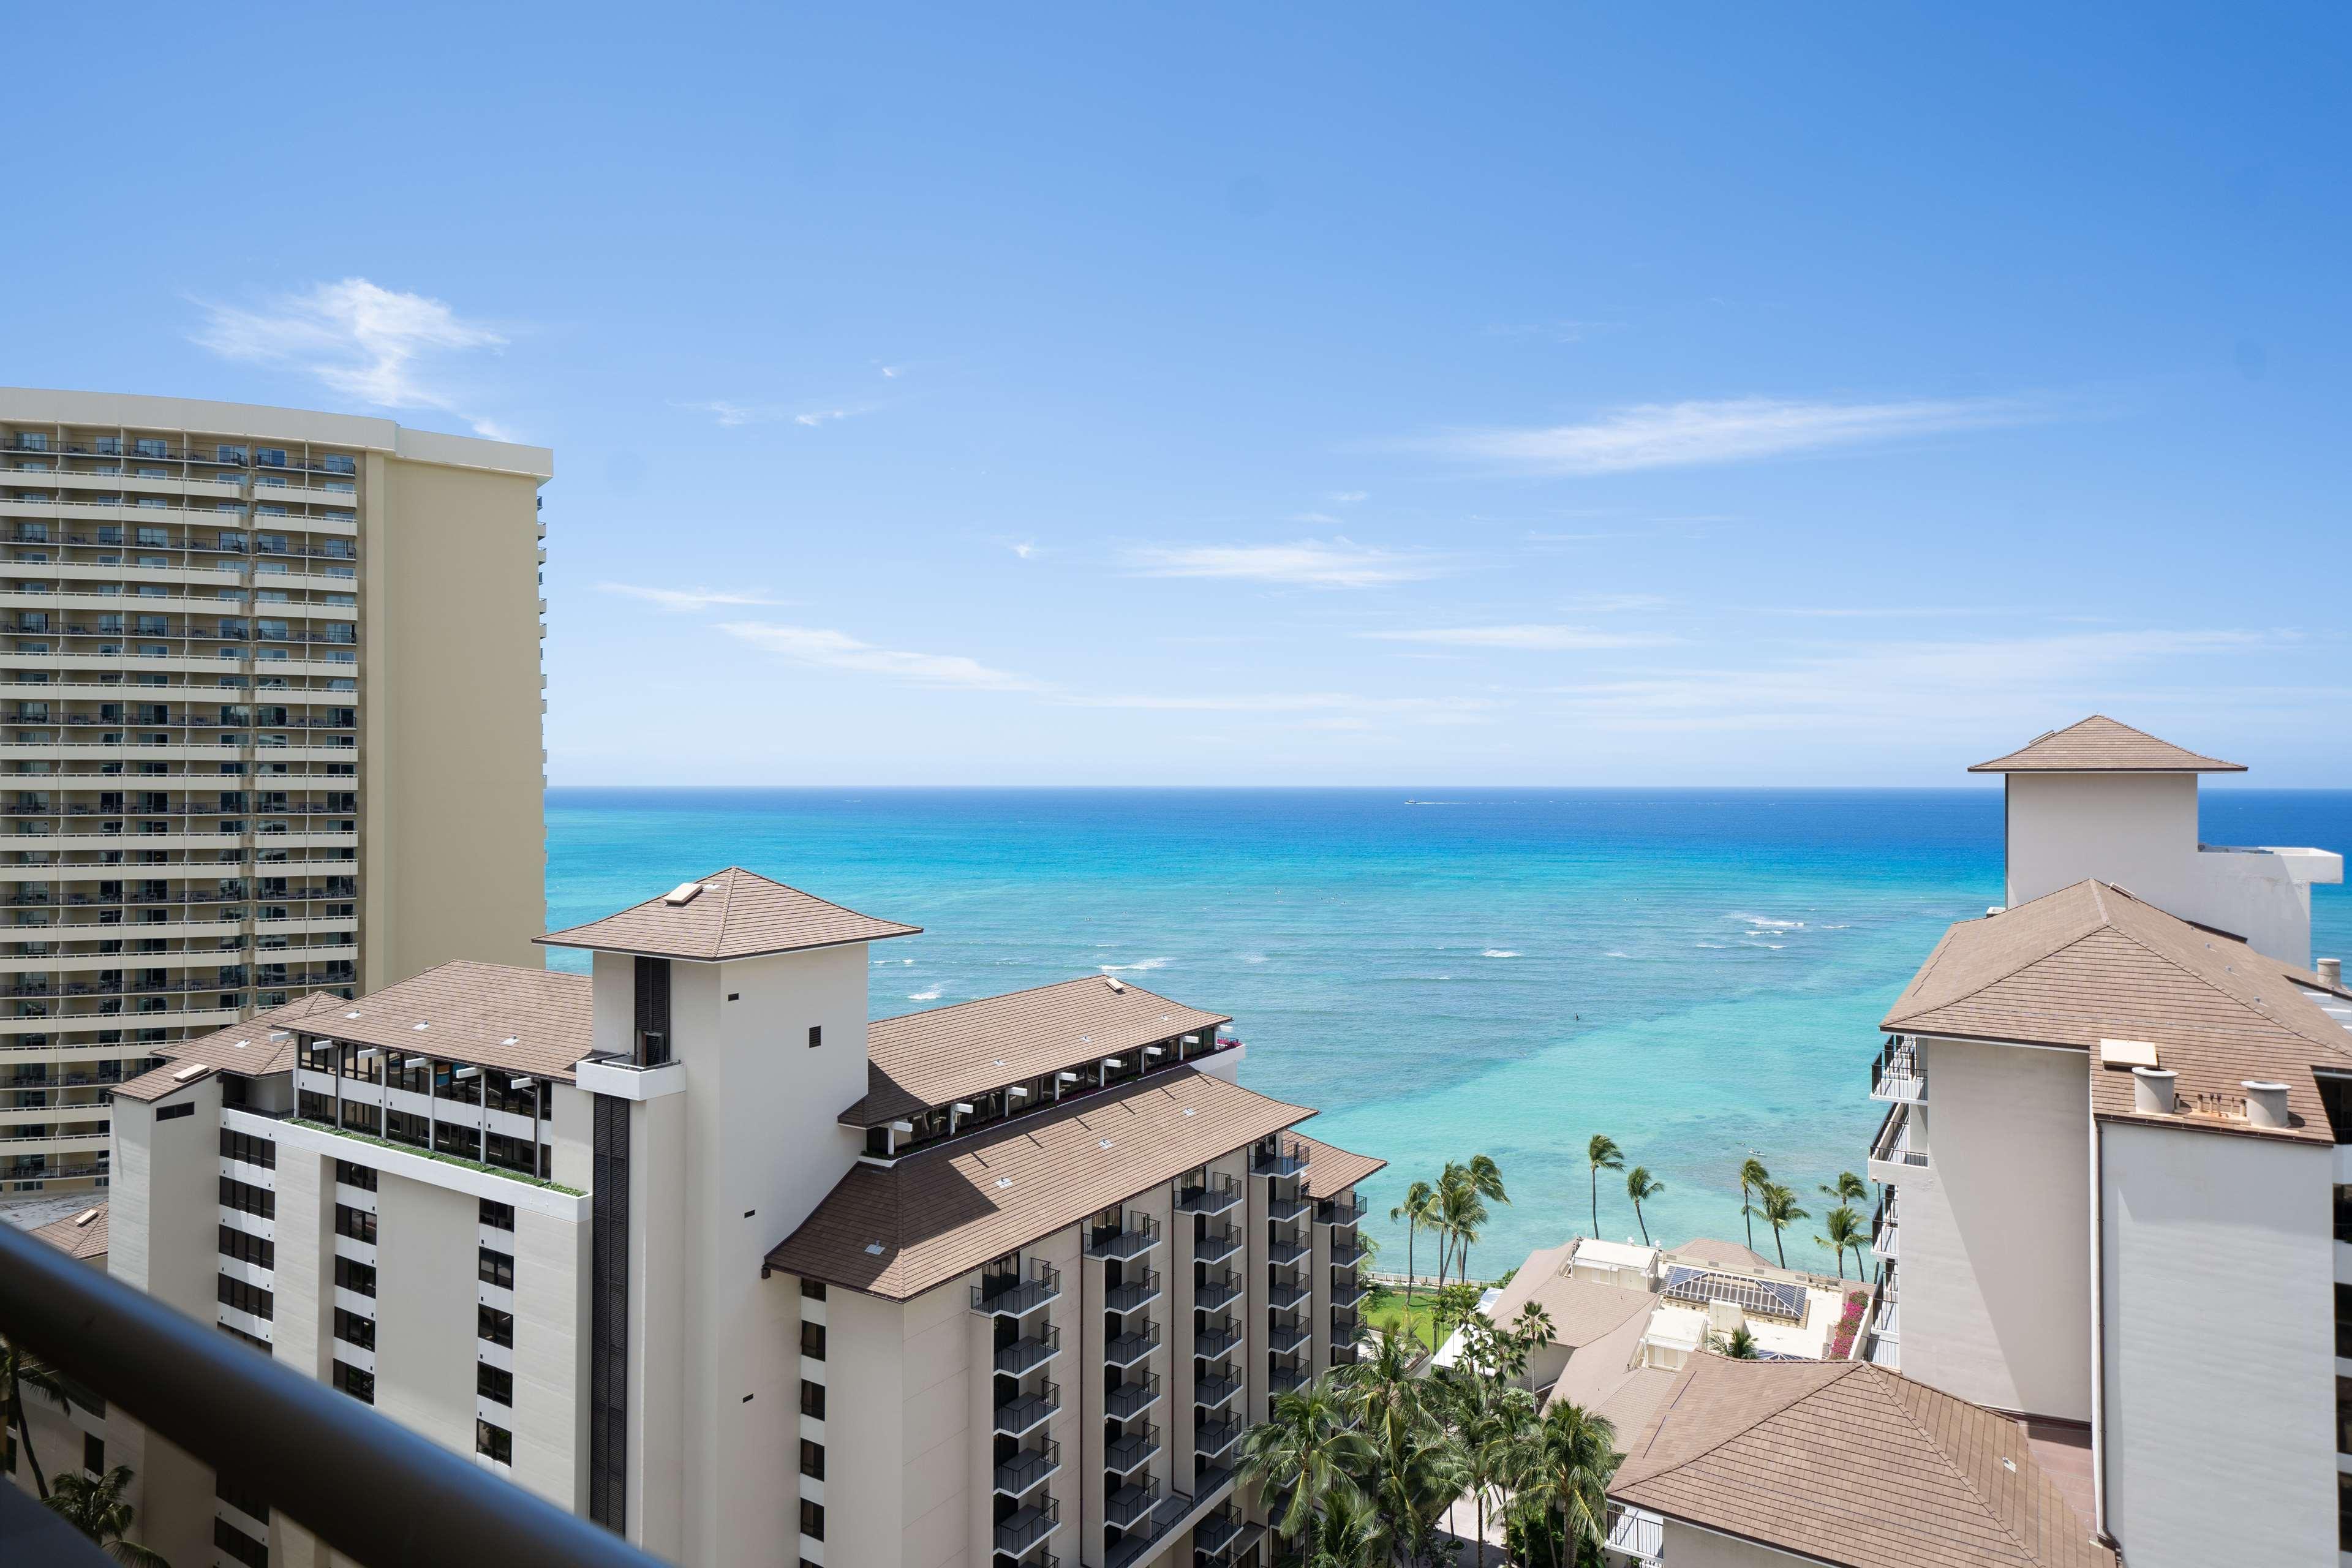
(2100, 745)
(736, 914)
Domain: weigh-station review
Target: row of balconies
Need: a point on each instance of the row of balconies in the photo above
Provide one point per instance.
(60, 443)
(46, 505)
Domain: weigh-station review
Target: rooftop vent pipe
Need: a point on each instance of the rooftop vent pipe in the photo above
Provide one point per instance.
(2265, 1103)
(2152, 1090)
(2331, 973)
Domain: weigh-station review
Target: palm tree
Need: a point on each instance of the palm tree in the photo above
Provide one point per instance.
(1563, 1473)
(1347, 1534)
(1780, 1211)
(1493, 1420)
(20, 1369)
(1305, 1457)
(1753, 1178)
(1738, 1344)
(94, 1505)
(1461, 1210)
(1638, 1185)
(1848, 1188)
(1845, 1230)
(1603, 1154)
(1420, 1204)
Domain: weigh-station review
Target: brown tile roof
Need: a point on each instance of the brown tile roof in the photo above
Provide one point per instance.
(81, 1234)
(738, 914)
(2100, 745)
(1582, 1310)
(157, 1082)
(262, 1044)
(1331, 1170)
(1707, 1253)
(491, 1015)
(925, 1059)
(2091, 962)
(1851, 1464)
(899, 1230)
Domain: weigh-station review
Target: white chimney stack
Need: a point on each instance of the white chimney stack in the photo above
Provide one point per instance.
(2331, 973)
(2265, 1103)
(2152, 1090)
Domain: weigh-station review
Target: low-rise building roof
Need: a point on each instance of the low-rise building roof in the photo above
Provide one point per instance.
(920, 1061)
(262, 1044)
(2090, 962)
(81, 1235)
(1847, 1463)
(518, 1020)
(1331, 1170)
(1582, 1310)
(1705, 1252)
(729, 914)
(2100, 745)
(898, 1230)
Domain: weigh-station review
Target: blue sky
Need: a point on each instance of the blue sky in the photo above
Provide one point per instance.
(1552, 395)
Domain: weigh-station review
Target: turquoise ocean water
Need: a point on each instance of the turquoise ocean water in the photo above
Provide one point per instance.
(1696, 973)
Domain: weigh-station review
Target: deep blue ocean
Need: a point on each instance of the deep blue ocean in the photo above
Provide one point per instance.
(1696, 973)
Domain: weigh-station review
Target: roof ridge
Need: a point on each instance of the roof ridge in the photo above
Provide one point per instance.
(733, 874)
(1030, 991)
(1843, 1373)
(2208, 983)
(2105, 922)
(2031, 1553)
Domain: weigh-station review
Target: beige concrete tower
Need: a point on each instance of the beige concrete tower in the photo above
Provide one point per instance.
(270, 701)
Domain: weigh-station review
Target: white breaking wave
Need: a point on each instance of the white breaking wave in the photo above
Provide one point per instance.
(930, 995)
(1613, 953)
(1501, 953)
(1145, 964)
(1765, 923)
(1253, 958)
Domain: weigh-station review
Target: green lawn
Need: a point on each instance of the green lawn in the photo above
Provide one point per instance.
(1384, 1310)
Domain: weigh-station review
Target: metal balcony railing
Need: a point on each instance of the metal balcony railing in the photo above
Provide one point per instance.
(1346, 1210)
(1138, 1236)
(350, 1476)
(1022, 1528)
(1892, 1145)
(1030, 1351)
(1347, 1290)
(1213, 1439)
(1220, 1193)
(1278, 1157)
(1019, 1298)
(1282, 1210)
(1129, 1400)
(1285, 1297)
(1286, 1378)
(1122, 1456)
(1020, 1475)
(1221, 1335)
(1348, 1254)
(1217, 1290)
(1217, 1244)
(1638, 1535)
(1024, 1413)
(1126, 1350)
(1133, 1293)
(1123, 1507)
(1284, 1252)
(1897, 1073)
(1284, 1337)
(1216, 1533)
(1217, 1387)
(1162, 1517)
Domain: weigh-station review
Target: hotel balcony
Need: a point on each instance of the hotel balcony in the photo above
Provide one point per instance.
(1278, 1157)
(1215, 1439)
(1347, 1328)
(1217, 1387)
(1347, 1253)
(1133, 1293)
(1219, 1290)
(1217, 1244)
(1138, 1236)
(1024, 1413)
(1882, 1228)
(1892, 1152)
(1025, 1471)
(1897, 1073)
(1019, 1532)
(1284, 1252)
(1284, 1378)
(1349, 1210)
(1282, 1210)
(1218, 1338)
(1145, 1516)
(1220, 1193)
(1129, 1400)
(1126, 1350)
(1019, 1298)
(1214, 1538)
(1287, 1296)
(1283, 1338)
(1125, 1455)
(1030, 1351)
(1637, 1535)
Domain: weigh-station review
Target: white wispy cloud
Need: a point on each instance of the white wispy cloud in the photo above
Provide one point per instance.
(688, 598)
(1727, 430)
(1349, 497)
(814, 416)
(828, 649)
(734, 415)
(1315, 564)
(1618, 603)
(1524, 639)
(376, 345)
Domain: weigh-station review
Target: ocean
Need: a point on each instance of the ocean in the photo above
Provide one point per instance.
(1697, 973)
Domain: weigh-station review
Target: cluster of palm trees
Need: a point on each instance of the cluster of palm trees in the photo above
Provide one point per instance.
(1760, 1197)
(1361, 1466)
(1453, 1209)
(91, 1504)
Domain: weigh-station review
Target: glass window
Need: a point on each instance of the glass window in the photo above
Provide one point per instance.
(812, 1459)
(494, 1384)
(495, 1443)
(812, 1400)
(811, 1520)
(351, 1380)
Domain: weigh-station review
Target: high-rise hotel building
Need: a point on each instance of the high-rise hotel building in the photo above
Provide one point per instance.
(270, 701)
(691, 1246)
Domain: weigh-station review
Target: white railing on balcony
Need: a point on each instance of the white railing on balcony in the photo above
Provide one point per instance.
(1639, 1535)
(1898, 1073)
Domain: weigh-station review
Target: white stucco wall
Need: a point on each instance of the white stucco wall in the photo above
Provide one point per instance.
(1994, 1279)
(425, 1310)
(1686, 1546)
(2217, 1273)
